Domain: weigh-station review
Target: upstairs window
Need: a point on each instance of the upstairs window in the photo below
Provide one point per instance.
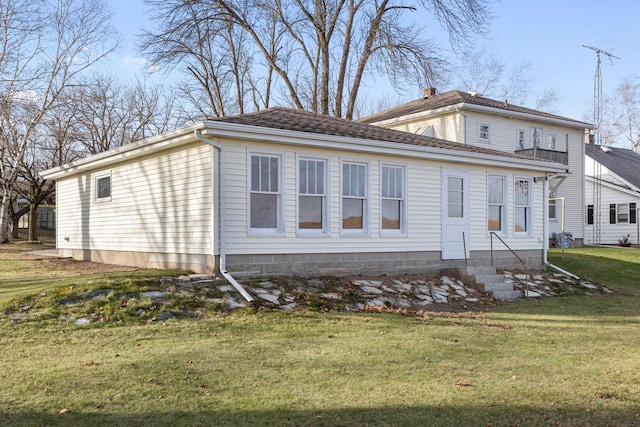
(536, 138)
(354, 196)
(522, 139)
(484, 132)
(312, 194)
(265, 195)
(551, 141)
(393, 197)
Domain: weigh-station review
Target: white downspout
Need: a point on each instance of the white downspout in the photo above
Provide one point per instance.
(545, 227)
(222, 234)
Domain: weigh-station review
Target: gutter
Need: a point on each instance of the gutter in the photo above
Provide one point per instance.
(545, 227)
(197, 133)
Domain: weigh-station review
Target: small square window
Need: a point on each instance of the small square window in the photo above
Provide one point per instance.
(103, 188)
(484, 134)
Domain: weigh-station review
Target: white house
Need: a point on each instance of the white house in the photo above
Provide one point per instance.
(612, 183)
(469, 118)
(290, 192)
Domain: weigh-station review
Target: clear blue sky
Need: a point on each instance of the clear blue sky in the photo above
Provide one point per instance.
(548, 34)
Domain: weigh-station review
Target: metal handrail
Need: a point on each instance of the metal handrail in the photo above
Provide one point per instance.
(526, 275)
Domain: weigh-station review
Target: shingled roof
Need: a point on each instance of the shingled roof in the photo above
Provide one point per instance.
(456, 97)
(623, 162)
(303, 121)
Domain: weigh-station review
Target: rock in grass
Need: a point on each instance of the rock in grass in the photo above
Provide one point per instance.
(81, 321)
(164, 316)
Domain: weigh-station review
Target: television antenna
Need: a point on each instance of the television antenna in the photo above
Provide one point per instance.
(597, 139)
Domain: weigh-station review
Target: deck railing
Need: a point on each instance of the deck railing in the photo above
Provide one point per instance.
(541, 153)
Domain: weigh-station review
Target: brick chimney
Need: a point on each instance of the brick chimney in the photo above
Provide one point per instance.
(430, 91)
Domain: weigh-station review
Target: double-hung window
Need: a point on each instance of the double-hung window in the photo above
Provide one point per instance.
(354, 196)
(496, 204)
(393, 198)
(522, 206)
(265, 195)
(623, 213)
(312, 198)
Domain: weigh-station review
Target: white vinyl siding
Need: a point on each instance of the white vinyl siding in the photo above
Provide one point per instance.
(423, 227)
(159, 203)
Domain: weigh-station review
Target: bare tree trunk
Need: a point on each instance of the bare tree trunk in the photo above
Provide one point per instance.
(4, 213)
(33, 222)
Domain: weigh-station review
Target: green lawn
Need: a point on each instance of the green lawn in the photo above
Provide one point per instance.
(557, 361)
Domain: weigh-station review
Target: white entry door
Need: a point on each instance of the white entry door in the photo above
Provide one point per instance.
(455, 214)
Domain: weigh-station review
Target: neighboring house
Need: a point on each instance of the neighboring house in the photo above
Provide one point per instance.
(290, 192)
(471, 119)
(615, 174)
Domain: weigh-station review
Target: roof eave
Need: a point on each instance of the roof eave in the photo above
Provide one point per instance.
(134, 150)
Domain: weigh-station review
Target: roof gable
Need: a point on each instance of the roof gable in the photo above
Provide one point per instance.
(623, 162)
(456, 97)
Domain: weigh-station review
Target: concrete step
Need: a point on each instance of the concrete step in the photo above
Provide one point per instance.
(511, 295)
(497, 286)
(482, 279)
(473, 270)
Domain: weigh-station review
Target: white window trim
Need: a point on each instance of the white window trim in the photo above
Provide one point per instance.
(403, 209)
(325, 208)
(366, 207)
(279, 230)
(505, 205)
(530, 206)
(95, 183)
(480, 138)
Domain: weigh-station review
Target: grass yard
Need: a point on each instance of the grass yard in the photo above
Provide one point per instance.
(561, 361)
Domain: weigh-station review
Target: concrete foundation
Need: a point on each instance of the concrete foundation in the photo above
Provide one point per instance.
(309, 265)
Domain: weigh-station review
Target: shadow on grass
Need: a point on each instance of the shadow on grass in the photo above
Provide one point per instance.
(398, 416)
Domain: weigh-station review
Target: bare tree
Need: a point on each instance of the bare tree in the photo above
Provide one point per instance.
(44, 47)
(110, 114)
(308, 54)
(621, 121)
(485, 73)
